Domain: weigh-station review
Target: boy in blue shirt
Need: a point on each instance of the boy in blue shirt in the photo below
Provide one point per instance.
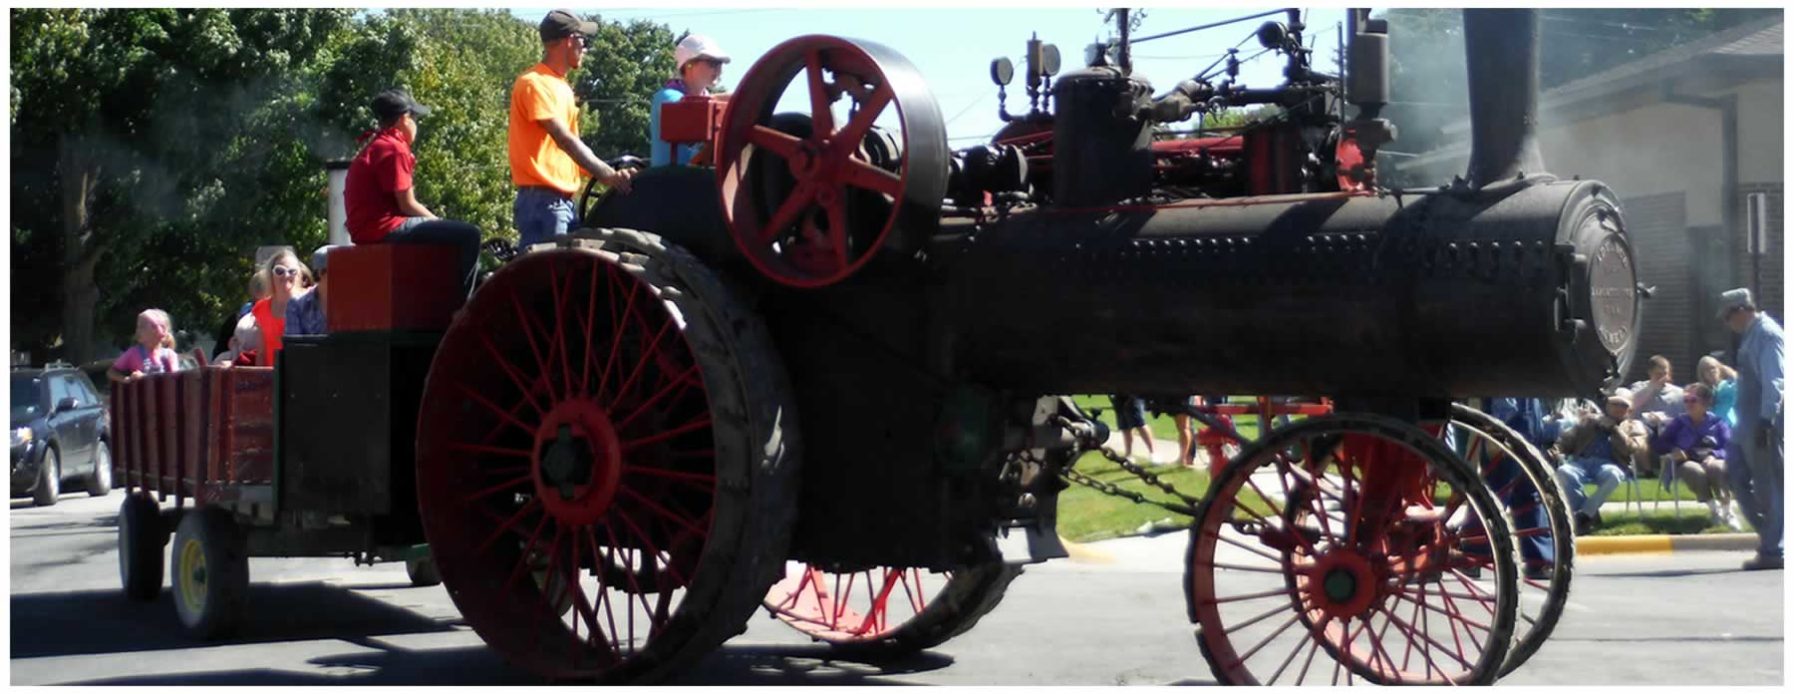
(700, 64)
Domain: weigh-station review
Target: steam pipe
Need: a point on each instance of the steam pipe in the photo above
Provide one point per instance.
(1501, 54)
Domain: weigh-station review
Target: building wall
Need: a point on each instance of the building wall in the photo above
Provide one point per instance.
(1653, 150)
(1760, 131)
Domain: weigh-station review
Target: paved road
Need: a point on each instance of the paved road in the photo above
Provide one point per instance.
(1112, 616)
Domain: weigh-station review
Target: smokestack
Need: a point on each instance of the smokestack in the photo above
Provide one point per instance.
(1501, 54)
(337, 216)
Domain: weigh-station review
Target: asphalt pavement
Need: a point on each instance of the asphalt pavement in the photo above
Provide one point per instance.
(1113, 614)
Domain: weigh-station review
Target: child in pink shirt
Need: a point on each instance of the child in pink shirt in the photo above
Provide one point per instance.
(153, 352)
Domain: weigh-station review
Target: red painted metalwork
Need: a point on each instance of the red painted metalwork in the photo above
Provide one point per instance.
(1214, 441)
(858, 607)
(383, 287)
(598, 407)
(805, 240)
(1347, 537)
(691, 119)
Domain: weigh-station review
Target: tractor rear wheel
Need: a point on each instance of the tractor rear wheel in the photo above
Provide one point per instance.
(605, 413)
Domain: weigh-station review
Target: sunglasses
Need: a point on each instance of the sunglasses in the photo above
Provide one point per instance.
(283, 271)
(1690, 401)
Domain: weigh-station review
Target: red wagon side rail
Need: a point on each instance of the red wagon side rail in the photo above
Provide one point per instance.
(205, 434)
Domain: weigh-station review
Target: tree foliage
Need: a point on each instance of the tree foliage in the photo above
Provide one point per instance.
(154, 149)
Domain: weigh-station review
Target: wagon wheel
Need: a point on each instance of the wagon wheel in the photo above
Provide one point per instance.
(1542, 520)
(1389, 593)
(887, 611)
(847, 198)
(604, 412)
(1513, 469)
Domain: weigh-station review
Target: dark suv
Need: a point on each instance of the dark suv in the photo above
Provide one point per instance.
(60, 431)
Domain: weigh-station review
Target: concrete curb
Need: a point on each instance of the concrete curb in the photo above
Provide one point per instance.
(1664, 544)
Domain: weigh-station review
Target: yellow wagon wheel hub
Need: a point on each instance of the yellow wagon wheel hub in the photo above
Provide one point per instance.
(193, 576)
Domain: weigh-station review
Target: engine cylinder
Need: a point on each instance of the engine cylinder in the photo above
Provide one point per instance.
(1524, 289)
(1102, 145)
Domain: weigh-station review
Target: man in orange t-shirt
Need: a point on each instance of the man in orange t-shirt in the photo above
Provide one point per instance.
(547, 157)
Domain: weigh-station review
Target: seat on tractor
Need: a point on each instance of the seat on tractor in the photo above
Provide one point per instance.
(392, 287)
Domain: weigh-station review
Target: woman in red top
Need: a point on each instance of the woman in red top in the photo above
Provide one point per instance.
(380, 200)
(288, 278)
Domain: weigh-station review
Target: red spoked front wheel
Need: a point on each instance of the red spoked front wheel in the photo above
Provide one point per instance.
(1351, 537)
(606, 459)
(887, 610)
(840, 191)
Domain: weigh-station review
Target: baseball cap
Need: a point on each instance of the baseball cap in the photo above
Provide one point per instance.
(396, 102)
(1735, 298)
(697, 46)
(1620, 396)
(320, 258)
(560, 24)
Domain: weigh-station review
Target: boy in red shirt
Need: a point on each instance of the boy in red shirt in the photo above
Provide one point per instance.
(379, 197)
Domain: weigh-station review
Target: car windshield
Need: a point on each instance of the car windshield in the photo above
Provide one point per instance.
(27, 396)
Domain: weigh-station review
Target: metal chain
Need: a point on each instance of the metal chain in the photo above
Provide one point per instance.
(1188, 508)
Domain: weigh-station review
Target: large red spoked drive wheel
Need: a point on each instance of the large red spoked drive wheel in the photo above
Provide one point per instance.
(607, 454)
(846, 193)
(1363, 541)
(887, 611)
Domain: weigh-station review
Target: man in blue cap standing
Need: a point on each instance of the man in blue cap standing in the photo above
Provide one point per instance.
(1756, 477)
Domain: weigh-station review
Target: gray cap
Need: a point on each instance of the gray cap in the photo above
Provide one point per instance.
(1735, 298)
(320, 258)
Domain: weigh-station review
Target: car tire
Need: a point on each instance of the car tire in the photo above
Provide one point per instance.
(422, 572)
(99, 483)
(209, 569)
(140, 540)
(49, 479)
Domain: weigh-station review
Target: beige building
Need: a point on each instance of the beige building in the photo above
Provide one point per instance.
(1683, 136)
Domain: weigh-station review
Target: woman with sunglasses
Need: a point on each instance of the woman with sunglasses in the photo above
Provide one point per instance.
(1724, 382)
(1695, 444)
(287, 279)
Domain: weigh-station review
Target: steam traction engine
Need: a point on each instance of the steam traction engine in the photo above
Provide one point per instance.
(824, 378)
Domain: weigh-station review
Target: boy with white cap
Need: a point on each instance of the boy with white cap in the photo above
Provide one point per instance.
(699, 62)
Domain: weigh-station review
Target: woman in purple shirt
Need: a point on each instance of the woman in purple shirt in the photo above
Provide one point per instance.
(1695, 444)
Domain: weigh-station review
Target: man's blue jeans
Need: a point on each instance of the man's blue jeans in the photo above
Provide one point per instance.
(463, 236)
(541, 215)
(1579, 471)
(1755, 474)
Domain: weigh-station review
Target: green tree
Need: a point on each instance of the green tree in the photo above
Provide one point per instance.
(624, 66)
(119, 121)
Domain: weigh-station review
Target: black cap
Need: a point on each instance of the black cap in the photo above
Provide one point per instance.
(393, 103)
(561, 24)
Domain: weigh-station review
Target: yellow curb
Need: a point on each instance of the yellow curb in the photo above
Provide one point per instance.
(1625, 544)
(1085, 554)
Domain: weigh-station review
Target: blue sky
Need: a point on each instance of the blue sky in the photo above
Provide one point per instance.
(952, 47)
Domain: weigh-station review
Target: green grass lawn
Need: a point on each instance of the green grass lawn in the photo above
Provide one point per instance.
(1086, 515)
(1163, 428)
(1664, 521)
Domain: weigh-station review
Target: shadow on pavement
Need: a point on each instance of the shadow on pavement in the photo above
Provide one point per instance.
(104, 621)
(1673, 573)
(733, 665)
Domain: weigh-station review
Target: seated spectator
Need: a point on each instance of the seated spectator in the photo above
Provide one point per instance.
(1724, 382)
(258, 290)
(305, 314)
(380, 200)
(153, 353)
(699, 62)
(289, 279)
(1655, 402)
(1695, 444)
(244, 344)
(1597, 449)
